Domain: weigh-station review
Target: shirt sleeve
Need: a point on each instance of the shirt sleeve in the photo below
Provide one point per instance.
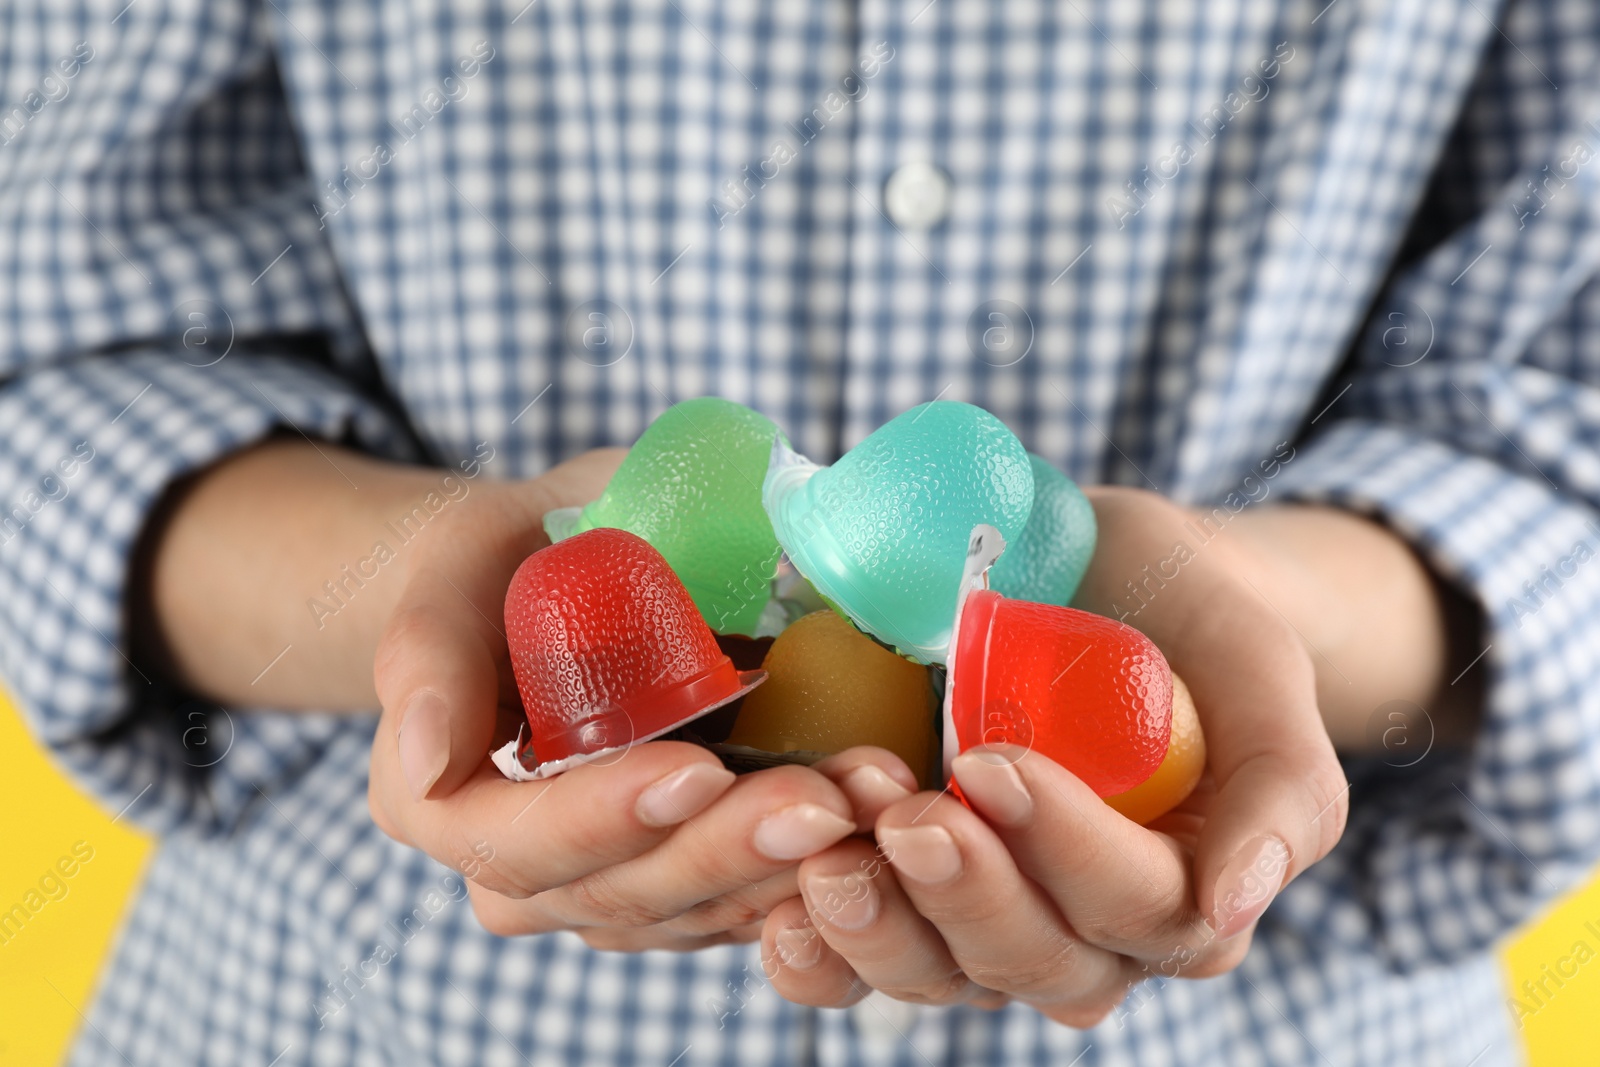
(1471, 426)
(166, 298)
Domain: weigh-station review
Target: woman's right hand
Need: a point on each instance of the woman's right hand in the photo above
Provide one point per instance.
(660, 846)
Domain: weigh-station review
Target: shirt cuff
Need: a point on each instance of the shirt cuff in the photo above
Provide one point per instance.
(89, 449)
(1444, 854)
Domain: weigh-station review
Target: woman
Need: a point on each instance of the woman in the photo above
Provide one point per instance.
(335, 299)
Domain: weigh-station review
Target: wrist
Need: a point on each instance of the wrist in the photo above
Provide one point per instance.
(1384, 632)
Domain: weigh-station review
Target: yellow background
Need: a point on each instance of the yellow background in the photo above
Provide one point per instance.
(47, 972)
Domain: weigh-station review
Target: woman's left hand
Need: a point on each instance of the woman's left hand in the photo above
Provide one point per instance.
(1043, 893)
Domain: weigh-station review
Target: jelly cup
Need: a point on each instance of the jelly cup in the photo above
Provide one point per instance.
(830, 687)
(1047, 562)
(691, 486)
(1180, 770)
(1090, 693)
(608, 650)
(881, 533)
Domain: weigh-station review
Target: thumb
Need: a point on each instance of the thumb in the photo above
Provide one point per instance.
(438, 675)
(1269, 822)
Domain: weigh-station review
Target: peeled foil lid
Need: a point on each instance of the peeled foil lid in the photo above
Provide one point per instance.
(983, 550)
(508, 757)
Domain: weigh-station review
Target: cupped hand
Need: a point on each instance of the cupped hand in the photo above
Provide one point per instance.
(658, 846)
(1043, 893)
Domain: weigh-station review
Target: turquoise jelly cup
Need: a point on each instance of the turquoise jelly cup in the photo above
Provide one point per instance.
(1047, 562)
(882, 534)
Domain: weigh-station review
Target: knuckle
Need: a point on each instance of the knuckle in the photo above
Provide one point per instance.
(1037, 977)
(1088, 1010)
(450, 848)
(598, 896)
(1142, 923)
(380, 812)
(1080, 1018)
(1331, 794)
(944, 989)
(407, 630)
(719, 914)
(780, 787)
(613, 939)
(1220, 960)
(976, 910)
(496, 914)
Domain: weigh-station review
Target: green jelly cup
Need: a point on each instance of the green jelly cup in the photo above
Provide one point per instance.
(691, 487)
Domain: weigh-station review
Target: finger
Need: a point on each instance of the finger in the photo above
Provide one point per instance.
(764, 823)
(855, 902)
(872, 778)
(613, 939)
(1281, 798)
(576, 481)
(506, 916)
(799, 963)
(442, 669)
(1001, 929)
(1121, 886)
(438, 673)
(742, 906)
(540, 835)
(1263, 829)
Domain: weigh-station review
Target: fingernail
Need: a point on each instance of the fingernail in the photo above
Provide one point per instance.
(848, 901)
(926, 854)
(424, 741)
(798, 947)
(1248, 883)
(991, 781)
(796, 832)
(682, 794)
(870, 790)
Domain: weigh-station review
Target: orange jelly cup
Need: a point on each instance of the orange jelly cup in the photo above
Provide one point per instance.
(1179, 772)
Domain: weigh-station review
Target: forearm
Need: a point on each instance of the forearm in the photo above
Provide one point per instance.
(272, 574)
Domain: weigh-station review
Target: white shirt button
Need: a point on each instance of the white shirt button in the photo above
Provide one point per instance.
(917, 196)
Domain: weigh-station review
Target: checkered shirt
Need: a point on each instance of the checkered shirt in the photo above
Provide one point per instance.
(1369, 228)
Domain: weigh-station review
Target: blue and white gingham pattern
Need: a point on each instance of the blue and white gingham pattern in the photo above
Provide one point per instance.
(396, 213)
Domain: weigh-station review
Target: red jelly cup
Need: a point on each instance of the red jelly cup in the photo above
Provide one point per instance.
(608, 650)
(1091, 693)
